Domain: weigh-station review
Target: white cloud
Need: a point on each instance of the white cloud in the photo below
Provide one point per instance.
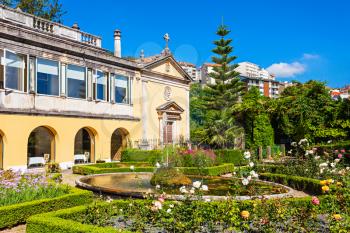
(285, 70)
(309, 56)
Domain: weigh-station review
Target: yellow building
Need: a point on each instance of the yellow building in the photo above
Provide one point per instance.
(63, 98)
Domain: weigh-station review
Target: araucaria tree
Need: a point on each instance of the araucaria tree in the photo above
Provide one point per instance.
(220, 98)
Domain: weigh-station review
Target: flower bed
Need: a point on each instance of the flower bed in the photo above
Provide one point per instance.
(12, 215)
(288, 215)
(146, 167)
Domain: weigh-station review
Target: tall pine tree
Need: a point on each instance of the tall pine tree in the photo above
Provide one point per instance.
(227, 89)
(221, 98)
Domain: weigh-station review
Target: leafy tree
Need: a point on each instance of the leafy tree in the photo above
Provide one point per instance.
(308, 111)
(47, 9)
(255, 119)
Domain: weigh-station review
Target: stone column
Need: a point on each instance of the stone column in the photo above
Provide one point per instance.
(187, 114)
(268, 152)
(144, 116)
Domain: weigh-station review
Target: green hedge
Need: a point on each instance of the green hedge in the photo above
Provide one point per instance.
(102, 168)
(208, 171)
(13, 215)
(311, 186)
(136, 155)
(55, 222)
(230, 156)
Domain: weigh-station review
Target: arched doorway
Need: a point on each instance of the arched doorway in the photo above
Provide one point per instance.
(1, 152)
(119, 141)
(84, 146)
(41, 146)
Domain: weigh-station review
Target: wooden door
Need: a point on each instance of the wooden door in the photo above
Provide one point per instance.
(168, 133)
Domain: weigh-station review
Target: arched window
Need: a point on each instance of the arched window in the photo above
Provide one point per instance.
(41, 147)
(84, 146)
(118, 143)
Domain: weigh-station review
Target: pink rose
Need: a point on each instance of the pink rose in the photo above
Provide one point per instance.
(336, 151)
(315, 201)
(340, 156)
(342, 151)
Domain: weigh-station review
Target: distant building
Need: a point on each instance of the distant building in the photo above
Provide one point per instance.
(252, 75)
(342, 93)
(191, 70)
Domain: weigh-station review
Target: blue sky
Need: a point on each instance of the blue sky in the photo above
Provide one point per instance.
(296, 39)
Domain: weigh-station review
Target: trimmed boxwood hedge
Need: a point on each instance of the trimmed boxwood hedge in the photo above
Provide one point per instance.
(208, 171)
(230, 156)
(103, 168)
(311, 186)
(13, 215)
(136, 155)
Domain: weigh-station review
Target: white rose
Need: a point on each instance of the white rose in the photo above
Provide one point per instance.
(204, 188)
(157, 186)
(197, 184)
(332, 164)
(245, 181)
(168, 210)
(249, 178)
(317, 157)
(251, 164)
(132, 167)
(192, 190)
(348, 168)
(247, 155)
(183, 189)
(336, 160)
(157, 165)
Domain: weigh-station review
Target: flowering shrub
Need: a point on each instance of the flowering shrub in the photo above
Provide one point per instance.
(193, 158)
(17, 188)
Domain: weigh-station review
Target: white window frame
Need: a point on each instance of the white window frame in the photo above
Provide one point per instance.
(128, 95)
(23, 71)
(106, 86)
(85, 78)
(36, 77)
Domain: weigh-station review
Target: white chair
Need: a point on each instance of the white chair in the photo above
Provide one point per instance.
(36, 161)
(80, 157)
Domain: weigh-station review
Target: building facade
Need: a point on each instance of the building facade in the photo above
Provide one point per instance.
(63, 98)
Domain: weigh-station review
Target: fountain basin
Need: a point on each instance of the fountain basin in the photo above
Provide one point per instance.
(137, 185)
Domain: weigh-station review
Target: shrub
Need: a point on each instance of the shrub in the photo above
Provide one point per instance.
(53, 167)
(169, 176)
(102, 168)
(136, 155)
(230, 156)
(13, 215)
(208, 171)
(311, 186)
